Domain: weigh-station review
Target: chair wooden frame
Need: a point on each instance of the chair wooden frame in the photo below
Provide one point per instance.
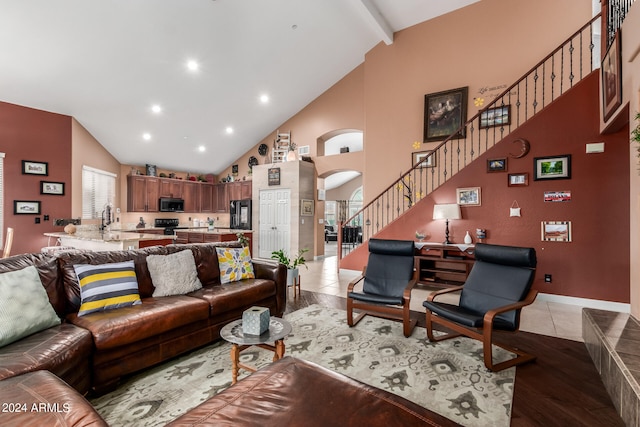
(386, 311)
(7, 243)
(484, 334)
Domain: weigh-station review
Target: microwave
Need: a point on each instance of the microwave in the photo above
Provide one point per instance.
(167, 204)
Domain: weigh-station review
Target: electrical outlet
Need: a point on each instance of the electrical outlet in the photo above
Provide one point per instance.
(547, 278)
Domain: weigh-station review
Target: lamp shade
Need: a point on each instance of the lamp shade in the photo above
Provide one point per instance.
(447, 211)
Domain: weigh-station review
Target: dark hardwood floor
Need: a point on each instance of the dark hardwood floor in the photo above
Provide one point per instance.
(561, 388)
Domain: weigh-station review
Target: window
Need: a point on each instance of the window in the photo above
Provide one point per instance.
(355, 204)
(2, 200)
(98, 189)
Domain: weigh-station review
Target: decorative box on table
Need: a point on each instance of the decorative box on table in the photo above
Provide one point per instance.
(255, 321)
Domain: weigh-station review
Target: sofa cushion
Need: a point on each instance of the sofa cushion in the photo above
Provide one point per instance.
(232, 296)
(235, 264)
(122, 326)
(64, 350)
(173, 274)
(107, 286)
(24, 306)
(41, 399)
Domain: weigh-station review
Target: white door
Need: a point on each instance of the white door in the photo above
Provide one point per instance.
(275, 222)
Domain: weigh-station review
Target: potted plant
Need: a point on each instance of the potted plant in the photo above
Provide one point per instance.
(635, 133)
(244, 240)
(291, 263)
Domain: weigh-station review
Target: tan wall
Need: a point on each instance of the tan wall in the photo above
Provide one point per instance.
(345, 191)
(87, 151)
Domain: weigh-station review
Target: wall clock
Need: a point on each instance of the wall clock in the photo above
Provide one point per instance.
(262, 149)
(252, 161)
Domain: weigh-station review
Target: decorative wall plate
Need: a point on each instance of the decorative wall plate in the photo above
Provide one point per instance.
(252, 161)
(262, 149)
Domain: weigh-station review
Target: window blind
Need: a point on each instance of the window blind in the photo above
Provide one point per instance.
(98, 189)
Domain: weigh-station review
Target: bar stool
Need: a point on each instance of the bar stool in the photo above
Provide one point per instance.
(7, 243)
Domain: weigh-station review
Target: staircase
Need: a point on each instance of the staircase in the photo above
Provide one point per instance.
(558, 72)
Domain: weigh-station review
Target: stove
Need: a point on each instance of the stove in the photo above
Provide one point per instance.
(169, 224)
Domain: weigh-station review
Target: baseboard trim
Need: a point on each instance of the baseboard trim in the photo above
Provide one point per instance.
(586, 302)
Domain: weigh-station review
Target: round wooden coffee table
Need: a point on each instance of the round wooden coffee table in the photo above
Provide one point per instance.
(278, 330)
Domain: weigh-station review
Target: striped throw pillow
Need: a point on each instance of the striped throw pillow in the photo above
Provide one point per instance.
(107, 286)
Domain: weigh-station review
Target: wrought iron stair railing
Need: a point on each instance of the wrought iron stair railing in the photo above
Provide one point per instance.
(558, 72)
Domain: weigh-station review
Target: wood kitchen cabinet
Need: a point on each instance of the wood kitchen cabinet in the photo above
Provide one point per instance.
(221, 198)
(240, 190)
(207, 197)
(191, 196)
(143, 193)
(171, 188)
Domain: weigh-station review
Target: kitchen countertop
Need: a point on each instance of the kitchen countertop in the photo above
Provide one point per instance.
(112, 236)
(215, 231)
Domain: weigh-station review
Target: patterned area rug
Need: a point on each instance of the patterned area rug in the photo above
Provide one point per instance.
(447, 377)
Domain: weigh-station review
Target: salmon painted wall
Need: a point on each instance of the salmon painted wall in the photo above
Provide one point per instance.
(486, 46)
(28, 134)
(596, 263)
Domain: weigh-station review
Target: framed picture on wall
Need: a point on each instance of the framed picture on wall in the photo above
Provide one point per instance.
(427, 159)
(26, 207)
(444, 113)
(518, 180)
(497, 116)
(556, 231)
(306, 207)
(611, 74)
(55, 188)
(497, 165)
(557, 167)
(468, 196)
(30, 167)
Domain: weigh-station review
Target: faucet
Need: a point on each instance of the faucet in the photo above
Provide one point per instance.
(104, 223)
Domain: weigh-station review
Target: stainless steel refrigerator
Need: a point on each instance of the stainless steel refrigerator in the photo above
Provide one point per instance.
(240, 211)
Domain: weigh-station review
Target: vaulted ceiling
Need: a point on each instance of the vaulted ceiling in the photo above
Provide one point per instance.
(108, 63)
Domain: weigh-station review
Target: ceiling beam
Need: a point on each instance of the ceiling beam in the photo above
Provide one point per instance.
(371, 13)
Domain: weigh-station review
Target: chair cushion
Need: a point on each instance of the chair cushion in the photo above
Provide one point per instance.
(506, 255)
(375, 299)
(390, 267)
(465, 317)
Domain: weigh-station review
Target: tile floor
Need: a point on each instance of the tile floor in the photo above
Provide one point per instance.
(542, 317)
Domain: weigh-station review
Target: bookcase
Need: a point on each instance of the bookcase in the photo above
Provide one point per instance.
(443, 265)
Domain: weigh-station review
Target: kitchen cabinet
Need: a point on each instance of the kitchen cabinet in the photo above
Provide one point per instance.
(240, 190)
(191, 196)
(207, 197)
(221, 198)
(142, 193)
(171, 188)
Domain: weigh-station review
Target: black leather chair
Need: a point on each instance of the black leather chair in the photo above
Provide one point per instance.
(495, 291)
(387, 280)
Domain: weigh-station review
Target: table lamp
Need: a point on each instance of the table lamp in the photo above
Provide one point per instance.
(447, 212)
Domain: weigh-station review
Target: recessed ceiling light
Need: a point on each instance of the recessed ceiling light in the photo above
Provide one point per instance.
(156, 109)
(294, 27)
(264, 98)
(146, 136)
(202, 148)
(192, 65)
(229, 130)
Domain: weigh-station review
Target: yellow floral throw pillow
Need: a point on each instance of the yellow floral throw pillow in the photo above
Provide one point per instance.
(235, 264)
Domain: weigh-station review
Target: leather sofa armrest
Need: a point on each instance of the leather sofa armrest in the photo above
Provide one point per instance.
(271, 270)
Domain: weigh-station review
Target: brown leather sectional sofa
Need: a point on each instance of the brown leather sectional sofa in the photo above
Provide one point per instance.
(96, 350)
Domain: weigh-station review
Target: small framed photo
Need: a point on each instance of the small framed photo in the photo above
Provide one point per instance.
(152, 170)
(497, 116)
(468, 196)
(427, 159)
(611, 75)
(55, 188)
(558, 167)
(306, 207)
(29, 167)
(556, 231)
(518, 179)
(497, 165)
(274, 176)
(26, 207)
